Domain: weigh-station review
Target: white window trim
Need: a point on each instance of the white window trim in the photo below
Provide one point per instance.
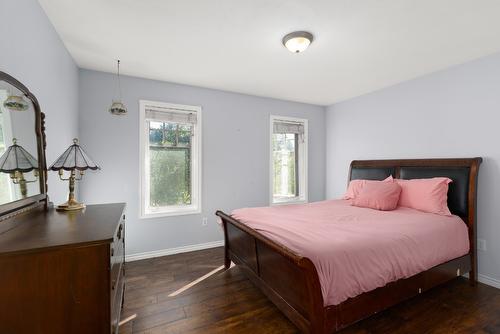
(196, 161)
(303, 163)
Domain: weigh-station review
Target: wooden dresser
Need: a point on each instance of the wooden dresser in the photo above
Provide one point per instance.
(62, 272)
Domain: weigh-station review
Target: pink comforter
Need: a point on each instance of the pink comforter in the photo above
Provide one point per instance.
(356, 250)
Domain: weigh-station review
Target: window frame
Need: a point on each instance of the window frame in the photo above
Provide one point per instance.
(196, 157)
(302, 166)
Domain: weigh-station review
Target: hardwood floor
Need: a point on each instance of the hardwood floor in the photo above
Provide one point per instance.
(226, 302)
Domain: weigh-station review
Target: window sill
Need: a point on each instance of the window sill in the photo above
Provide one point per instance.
(289, 201)
(170, 213)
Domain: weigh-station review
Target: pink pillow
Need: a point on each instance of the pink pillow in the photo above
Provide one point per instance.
(429, 195)
(378, 195)
(356, 185)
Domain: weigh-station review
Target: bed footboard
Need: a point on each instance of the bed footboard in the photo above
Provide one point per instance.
(288, 280)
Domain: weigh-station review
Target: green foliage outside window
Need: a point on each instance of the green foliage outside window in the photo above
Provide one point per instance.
(284, 161)
(170, 164)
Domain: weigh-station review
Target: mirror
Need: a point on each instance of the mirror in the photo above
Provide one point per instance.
(19, 160)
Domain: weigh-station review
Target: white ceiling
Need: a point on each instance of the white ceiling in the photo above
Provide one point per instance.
(360, 45)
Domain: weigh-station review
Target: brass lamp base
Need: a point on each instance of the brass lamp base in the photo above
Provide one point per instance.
(70, 205)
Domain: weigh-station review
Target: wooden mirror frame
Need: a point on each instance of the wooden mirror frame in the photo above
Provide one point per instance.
(12, 208)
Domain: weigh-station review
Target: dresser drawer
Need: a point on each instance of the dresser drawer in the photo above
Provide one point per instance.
(117, 273)
(116, 269)
(116, 263)
(117, 252)
(116, 301)
(120, 232)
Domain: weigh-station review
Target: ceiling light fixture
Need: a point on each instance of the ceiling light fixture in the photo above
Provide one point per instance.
(297, 41)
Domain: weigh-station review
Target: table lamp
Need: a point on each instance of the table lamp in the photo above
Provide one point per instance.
(16, 161)
(75, 161)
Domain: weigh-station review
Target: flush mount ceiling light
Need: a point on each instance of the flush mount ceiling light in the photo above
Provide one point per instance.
(297, 41)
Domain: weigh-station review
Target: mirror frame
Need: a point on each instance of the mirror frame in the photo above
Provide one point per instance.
(10, 209)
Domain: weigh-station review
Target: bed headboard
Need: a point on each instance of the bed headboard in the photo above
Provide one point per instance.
(463, 172)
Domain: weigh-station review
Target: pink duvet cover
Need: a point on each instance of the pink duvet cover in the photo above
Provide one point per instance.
(356, 250)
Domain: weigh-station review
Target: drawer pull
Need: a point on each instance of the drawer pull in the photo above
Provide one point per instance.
(112, 251)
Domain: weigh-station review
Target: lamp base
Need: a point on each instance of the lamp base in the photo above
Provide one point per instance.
(70, 206)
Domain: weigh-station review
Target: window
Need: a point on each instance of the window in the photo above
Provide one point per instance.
(288, 160)
(6, 193)
(170, 159)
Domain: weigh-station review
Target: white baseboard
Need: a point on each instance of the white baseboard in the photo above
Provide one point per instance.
(489, 280)
(486, 280)
(171, 251)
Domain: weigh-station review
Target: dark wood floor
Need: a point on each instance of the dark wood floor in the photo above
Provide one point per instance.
(227, 302)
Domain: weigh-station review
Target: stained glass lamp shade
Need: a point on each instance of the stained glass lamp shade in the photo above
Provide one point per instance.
(72, 160)
(16, 161)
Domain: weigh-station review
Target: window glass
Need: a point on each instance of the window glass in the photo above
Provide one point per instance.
(170, 164)
(285, 165)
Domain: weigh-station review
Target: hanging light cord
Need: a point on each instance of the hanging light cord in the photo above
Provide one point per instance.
(119, 83)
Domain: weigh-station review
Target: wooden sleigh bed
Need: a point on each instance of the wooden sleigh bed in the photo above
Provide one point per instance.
(292, 283)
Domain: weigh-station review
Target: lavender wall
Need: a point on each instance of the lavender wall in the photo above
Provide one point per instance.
(452, 113)
(32, 52)
(235, 154)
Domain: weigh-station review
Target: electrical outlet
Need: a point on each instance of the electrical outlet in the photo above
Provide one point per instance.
(481, 245)
(204, 221)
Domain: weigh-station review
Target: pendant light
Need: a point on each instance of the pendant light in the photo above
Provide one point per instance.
(16, 103)
(117, 107)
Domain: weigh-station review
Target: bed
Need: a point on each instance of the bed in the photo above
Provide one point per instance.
(293, 282)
